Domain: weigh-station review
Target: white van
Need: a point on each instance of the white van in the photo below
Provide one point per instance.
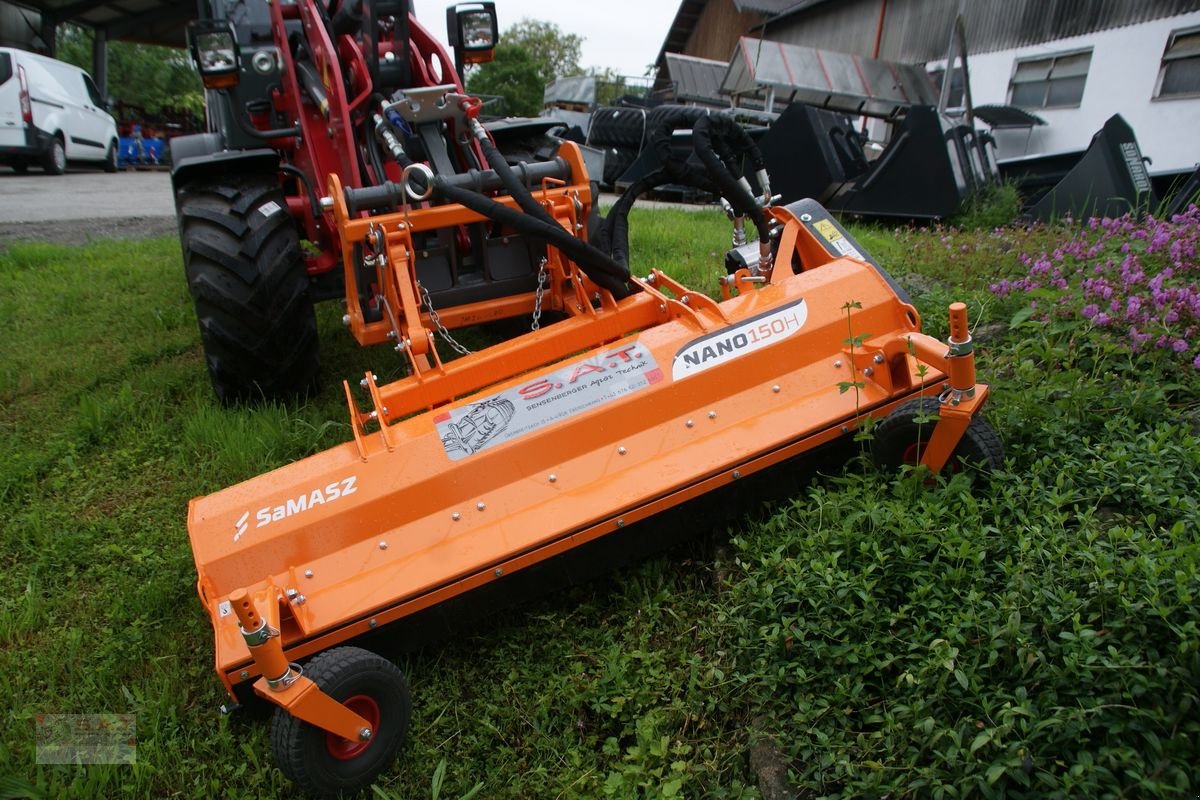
(51, 113)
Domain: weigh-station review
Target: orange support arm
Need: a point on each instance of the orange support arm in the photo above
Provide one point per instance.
(963, 398)
(282, 683)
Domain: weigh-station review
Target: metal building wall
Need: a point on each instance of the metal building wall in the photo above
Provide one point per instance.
(919, 30)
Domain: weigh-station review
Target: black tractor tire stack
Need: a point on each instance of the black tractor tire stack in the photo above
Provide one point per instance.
(621, 133)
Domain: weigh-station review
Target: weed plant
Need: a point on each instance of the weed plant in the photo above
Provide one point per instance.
(1031, 635)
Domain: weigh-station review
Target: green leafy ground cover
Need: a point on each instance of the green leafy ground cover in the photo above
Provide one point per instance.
(1034, 635)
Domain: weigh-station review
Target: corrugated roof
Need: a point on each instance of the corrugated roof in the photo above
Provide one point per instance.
(918, 30)
(773, 7)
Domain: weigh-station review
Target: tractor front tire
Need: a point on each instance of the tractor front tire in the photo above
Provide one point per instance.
(323, 764)
(246, 276)
(901, 438)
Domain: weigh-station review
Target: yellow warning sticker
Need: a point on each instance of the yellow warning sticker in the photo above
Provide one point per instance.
(826, 228)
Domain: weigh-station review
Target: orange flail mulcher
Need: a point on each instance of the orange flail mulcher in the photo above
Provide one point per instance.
(467, 472)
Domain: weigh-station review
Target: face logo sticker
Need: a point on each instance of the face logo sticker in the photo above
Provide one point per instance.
(483, 422)
(736, 341)
(565, 392)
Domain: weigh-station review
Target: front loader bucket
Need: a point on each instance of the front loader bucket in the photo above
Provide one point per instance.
(679, 396)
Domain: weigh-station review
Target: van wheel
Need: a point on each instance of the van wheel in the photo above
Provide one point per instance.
(56, 158)
(110, 158)
(246, 276)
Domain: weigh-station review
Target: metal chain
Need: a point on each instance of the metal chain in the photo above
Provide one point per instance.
(537, 298)
(433, 315)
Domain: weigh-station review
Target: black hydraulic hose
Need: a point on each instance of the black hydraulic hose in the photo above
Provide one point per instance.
(536, 222)
(249, 130)
(390, 194)
(311, 82)
(373, 153)
(297, 173)
(596, 265)
(514, 187)
(615, 235)
(711, 141)
(520, 192)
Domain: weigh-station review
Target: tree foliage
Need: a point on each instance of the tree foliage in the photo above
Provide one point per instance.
(556, 53)
(513, 75)
(531, 54)
(155, 78)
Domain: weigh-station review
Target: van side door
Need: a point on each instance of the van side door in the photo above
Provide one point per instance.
(100, 124)
(12, 127)
(85, 137)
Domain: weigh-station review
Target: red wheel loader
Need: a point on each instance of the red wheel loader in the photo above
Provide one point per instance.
(344, 125)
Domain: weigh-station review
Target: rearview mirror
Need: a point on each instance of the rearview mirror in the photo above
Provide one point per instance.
(215, 52)
(473, 31)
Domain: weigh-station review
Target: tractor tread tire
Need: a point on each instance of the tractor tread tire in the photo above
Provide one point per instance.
(682, 116)
(246, 277)
(618, 127)
(299, 747)
(617, 162)
(980, 446)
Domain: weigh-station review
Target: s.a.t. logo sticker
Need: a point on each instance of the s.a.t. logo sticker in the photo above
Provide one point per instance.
(567, 391)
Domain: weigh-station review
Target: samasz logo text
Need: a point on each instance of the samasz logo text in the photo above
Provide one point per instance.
(296, 505)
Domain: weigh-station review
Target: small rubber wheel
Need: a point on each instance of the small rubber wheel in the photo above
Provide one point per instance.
(56, 158)
(322, 764)
(110, 158)
(901, 437)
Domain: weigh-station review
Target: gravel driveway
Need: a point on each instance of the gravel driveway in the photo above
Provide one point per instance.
(84, 205)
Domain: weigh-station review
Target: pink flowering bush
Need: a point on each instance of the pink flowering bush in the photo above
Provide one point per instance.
(1135, 281)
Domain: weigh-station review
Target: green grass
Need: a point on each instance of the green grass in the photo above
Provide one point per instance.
(1032, 636)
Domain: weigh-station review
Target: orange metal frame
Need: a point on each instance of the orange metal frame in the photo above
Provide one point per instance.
(469, 470)
(388, 238)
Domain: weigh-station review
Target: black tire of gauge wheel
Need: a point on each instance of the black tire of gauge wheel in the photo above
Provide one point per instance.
(323, 764)
(901, 437)
(110, 157)
(246, 276)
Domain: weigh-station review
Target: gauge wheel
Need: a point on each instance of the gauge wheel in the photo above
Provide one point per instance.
(323, 764)
(901, 438)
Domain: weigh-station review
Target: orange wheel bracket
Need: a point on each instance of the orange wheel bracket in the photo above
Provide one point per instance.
(283, 683)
